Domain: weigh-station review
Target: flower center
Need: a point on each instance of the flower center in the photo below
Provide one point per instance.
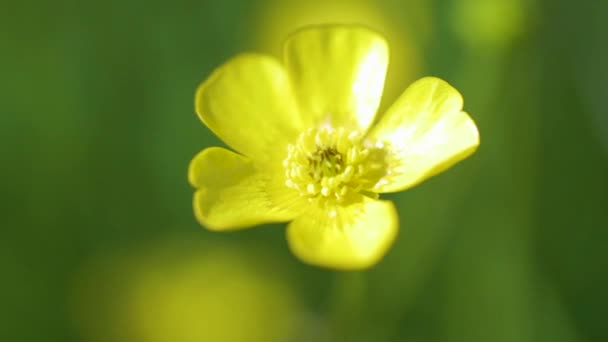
(328, 165)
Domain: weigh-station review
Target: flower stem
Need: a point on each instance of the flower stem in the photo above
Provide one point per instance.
(347, 304)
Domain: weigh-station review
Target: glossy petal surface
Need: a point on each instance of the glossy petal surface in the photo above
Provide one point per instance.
(425, 132)
(232, 193)
(355, 237)
(337, 74)
(248, 104)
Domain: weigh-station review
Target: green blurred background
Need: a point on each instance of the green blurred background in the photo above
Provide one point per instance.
(97, 128)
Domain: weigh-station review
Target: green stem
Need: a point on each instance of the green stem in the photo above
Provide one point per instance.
(347, 304)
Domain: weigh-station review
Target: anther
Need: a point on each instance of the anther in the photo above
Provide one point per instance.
(326, 164)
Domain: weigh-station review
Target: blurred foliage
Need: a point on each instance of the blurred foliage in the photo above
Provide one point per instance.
(97, 129)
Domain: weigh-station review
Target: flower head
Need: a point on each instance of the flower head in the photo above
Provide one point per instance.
(306, 150)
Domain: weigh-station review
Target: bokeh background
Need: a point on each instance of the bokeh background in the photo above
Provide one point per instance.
(97, 127)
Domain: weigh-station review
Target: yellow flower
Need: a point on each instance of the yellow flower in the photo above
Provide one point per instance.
(307, 151)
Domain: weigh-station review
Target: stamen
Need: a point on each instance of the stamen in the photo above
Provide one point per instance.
(328, 164)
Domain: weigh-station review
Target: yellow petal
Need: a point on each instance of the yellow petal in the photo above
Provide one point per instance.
(233, 194)
(425, 132)
(337, 72)
(248, 103)
(352, 237)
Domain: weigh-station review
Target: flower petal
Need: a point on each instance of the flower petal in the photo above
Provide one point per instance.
(233, 194)
(425, 132)
(352, 237)
(248, 103)
(337, 72)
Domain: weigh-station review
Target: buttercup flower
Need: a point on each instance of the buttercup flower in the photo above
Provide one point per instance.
(306, 149)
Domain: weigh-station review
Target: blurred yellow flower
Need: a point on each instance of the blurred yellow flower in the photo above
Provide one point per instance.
(490, 24)
(307, 151)
(178, 290)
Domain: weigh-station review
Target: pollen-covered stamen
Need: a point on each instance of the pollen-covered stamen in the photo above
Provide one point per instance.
(327, 164)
